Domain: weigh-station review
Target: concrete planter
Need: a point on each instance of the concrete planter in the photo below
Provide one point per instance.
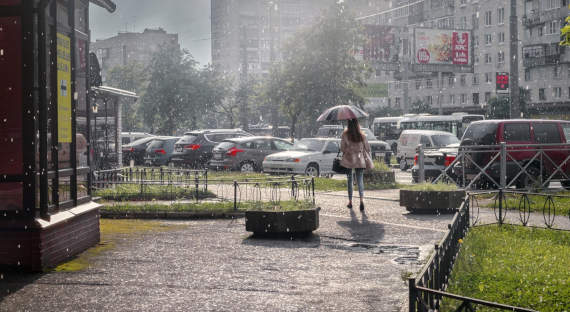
(379, 177)
(430, 201)
(282, 222)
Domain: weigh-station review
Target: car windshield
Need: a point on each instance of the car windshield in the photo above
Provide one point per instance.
(481, 134)
(444, 140)
(225, 145)
(309, 145)
(140, 141)
(186, 139)
(156, 144)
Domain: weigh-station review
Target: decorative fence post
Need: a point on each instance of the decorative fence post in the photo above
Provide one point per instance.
(235, 195)
(503, 179)
(313, 187)
(412, 294)
(197, 182)
(422, 173)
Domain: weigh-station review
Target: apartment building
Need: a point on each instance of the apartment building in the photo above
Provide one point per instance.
(128, 47)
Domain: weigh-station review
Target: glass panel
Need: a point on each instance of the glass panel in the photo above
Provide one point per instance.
(11, 196)
(11, 96)
(82, 186)
(517, 132)
(546, 133)
(64, 189)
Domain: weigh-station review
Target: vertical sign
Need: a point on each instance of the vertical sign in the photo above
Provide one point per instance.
(460, 48)
(502, 80)
(63, 89)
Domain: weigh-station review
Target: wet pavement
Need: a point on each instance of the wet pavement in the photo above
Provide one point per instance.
(355, 261)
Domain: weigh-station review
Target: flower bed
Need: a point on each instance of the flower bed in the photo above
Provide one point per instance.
(301, 218)
(431, 198)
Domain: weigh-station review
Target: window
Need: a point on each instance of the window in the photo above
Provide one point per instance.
(398, 102)
(476, 59)
(553, 28)
(557, 92)
(551, 4)
(527, 76)
(566, 129)
(488, 19)
(487, 97)
(425, 141)
(489, 77)
(418, 84)
(463, 98)
(501, 57)
(462, 80)
(429, 99)
(463, 22)
(452, 99)
(451, 81)
(488, 58)
(545, 133)
(429, 83)
(475, 98)
(501, 37)
(332, 147)
(541, 94)
(540, 30)
(516, 132)
(475, 79)
(556, 72)
(488, 39)
(500, 16)
(475, 41)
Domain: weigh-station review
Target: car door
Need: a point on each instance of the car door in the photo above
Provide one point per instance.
(263, 147)
(549, 133)
(329, 153)
(517, 135)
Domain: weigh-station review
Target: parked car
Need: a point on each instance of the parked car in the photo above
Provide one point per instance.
(435, 162)
(311, 156)
(136, 150)
(246, 153)
(159, 151)
(430, 139)
(129, 137)
(521, 133)
(378, 149)
(194, 149)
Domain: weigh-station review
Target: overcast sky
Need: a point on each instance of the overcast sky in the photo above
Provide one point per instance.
(189, 18)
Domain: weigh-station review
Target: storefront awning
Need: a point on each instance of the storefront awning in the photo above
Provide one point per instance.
(106, 91)
(106, 4)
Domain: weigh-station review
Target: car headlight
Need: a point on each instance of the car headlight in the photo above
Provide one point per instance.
(293, 160)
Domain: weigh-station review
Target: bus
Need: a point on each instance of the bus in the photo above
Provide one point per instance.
(389, 128)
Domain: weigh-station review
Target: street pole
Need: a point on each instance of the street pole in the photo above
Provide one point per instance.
(243, 92)
(514, 63)
(272, 105)
(439, 95)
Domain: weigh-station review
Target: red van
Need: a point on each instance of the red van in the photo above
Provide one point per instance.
(521, 137)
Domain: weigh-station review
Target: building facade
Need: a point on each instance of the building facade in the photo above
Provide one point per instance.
(127, 47)
(543, 66)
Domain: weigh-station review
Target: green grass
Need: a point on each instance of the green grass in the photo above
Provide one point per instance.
(132, 192)
(537, 203)
(330, 185)
(206, 207)
(514, 265)
(381, 166)
(431, 187)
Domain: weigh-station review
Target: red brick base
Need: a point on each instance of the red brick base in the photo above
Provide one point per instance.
(36, 244)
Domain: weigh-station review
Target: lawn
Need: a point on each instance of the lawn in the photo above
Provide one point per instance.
(329, 185)
(514, 265)
(205, 207)
(133, 192)
(562, 204)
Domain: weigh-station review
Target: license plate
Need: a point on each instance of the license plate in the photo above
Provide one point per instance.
(179, 148)
(217, 156)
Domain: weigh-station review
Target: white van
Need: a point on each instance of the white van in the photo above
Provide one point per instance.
(410, 139)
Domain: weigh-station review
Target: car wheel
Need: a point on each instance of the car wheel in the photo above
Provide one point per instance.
(312, 170)
(565, 184)
(403, 164)
(247, 166)
(525, 182)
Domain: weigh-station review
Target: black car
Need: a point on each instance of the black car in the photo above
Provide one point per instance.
(159, 151)
(135, 150)
(194, 149)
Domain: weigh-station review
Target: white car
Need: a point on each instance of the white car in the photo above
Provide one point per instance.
(312, 157)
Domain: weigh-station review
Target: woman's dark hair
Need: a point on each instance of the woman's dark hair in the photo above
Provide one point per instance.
(353, 131)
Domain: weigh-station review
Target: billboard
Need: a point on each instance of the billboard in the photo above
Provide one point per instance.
(63, 88)
(442, 50)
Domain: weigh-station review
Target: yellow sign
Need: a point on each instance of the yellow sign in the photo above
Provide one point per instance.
(63, 89)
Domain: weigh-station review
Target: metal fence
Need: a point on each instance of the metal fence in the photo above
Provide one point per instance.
(176, 184)
(428, 289)
(502, 166)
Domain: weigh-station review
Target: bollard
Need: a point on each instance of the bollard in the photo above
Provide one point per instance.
(422, 174)
(235, 195)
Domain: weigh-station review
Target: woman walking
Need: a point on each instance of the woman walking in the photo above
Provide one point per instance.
(355, 149)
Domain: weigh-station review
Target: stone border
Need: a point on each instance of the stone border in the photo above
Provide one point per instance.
(431, 201)
(170, 215)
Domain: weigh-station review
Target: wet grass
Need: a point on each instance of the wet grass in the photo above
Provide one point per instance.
(561, 204)
(431, 187)
(110, 231)
(331, 185)
(206, 207)
(514, 265)
(134, 192)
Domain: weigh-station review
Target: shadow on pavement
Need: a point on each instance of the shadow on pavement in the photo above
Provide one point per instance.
(12, 280)
(302, 240)
(362, 230)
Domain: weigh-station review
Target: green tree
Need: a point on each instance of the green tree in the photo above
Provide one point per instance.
(420, 107)
(498, 108)
(169, 99)
(318, 70)
(130, 77)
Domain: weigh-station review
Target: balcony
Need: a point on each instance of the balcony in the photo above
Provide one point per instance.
(541, 17)
(546, 60)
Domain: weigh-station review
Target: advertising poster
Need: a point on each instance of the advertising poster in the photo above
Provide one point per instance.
(442, 47)
(502, 82)
(63, 89)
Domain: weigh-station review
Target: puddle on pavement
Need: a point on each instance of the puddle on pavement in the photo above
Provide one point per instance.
(401, 254)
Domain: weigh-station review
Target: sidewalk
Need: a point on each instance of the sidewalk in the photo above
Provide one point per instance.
(354, 262)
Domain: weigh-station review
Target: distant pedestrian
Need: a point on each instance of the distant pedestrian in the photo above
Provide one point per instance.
(355, 155)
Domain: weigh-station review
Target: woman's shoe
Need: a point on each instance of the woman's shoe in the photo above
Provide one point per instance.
(361, 206)
(349, 206)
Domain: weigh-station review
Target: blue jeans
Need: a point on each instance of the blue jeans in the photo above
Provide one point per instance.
(359, 179)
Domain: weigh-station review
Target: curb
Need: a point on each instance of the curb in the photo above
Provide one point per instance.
(169, 215)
